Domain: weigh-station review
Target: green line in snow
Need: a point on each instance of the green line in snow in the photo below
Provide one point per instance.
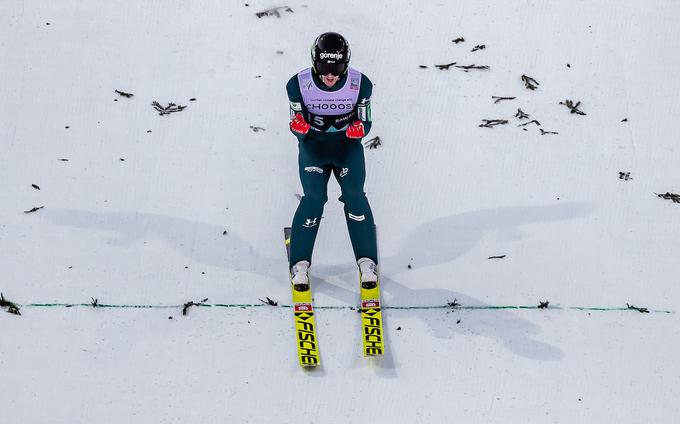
(386, 307)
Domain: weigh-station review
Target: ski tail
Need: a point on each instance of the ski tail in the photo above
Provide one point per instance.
(286, 237)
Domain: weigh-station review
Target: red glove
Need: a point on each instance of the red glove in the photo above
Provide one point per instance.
(355, 130)
(299, 125)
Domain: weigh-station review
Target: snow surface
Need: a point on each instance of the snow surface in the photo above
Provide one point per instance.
(447, 194)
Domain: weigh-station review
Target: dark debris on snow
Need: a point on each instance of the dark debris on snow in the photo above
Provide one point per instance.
(498, 98)
(274, 11)
(37, 208)
(187, 305)
(635, 308)
(573, 107)
(529, 82)
(373, 143)
(166, 110)
(490, 123)
(269, 302)
(670, 196)
(12, 308)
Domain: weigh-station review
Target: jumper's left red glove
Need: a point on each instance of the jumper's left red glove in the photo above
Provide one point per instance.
(355, 130)
(299, 125)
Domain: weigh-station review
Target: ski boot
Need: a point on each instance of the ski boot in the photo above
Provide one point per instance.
(299, 277)
(368, 273)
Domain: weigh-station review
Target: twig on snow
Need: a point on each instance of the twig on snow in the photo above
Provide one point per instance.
(498, 99)
(12, 308)
(34, 209)
(445, 67)
(521, 115)
(190, 304)
(170, 108)
(274, 11)
(466, 68)
(373, 143)
(670, 196)
(529, 82)
(269, 302)
(533, 121)
(635, 308)
(454, 304)
(490, 123)
(573, 107)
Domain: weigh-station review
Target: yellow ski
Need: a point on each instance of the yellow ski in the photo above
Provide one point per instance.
(305, 328)
(371, 321)
(305, 325)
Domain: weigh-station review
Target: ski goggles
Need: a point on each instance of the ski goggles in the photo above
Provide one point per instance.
(336, 69)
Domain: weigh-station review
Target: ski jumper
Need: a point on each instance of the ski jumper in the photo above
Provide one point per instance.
(326, 150)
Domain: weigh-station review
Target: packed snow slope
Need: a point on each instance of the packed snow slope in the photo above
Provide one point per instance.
(158, 211)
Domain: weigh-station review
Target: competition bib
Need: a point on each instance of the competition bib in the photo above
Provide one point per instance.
(330, 111)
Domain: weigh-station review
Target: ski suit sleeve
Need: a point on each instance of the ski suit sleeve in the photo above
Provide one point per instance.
(295, 102)
(363, 107)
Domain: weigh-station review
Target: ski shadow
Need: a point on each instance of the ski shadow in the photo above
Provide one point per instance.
(517, 335)
(201, 242)
(444, 240)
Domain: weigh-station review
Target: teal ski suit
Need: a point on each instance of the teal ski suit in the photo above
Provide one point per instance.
(326, 150)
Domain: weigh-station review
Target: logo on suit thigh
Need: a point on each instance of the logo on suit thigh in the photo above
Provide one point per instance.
(311, 222)
(356, 217)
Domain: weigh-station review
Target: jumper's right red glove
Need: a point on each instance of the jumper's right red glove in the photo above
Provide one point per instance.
(356, 130)
(299, 125)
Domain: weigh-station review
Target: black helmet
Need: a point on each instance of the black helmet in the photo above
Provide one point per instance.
(330, 54)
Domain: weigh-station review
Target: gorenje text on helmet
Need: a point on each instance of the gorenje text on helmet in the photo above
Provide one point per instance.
(330, 56)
